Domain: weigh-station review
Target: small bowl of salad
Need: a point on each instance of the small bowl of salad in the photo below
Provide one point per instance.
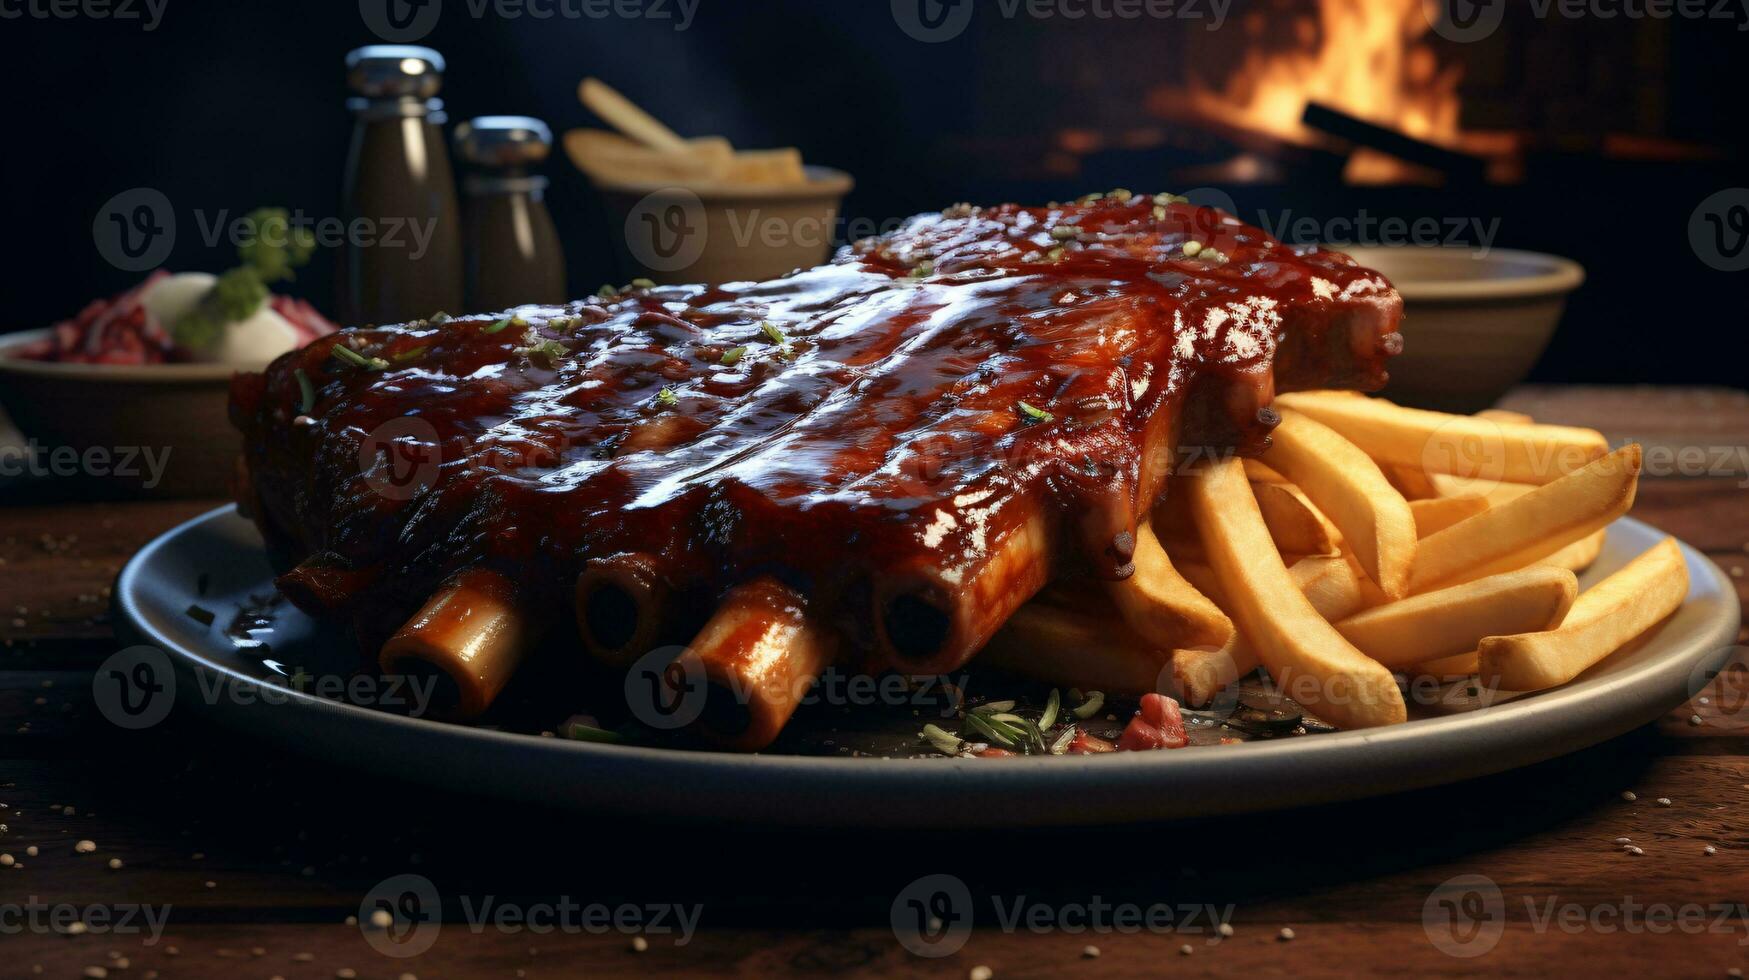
(131, 392)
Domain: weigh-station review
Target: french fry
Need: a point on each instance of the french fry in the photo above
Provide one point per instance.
(1456, 444)
(1504, 415)
(779, 166)
(1349, 488)
(1161, 607)
(1450, 622)
(1497, 492)
(1439, 513)
(1077, 648)
(1609, 614)
(626, 116)
(1462, 665)
(1579, 555)
(612, 158)
(1308, 659)
(1296, 526)
(1413, 482)
(1531, 527)
(1331, 585)
(1259, 472)
(1370, 594)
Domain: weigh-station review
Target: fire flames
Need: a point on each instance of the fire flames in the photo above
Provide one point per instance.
(1369, 58)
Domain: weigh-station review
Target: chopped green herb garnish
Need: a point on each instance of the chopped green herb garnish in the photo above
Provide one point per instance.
(991, 731)
(667, 398)
(942, 741)
(1089, 707)
(1053, 706)
(924, 268)
(438, 319)
(1033, 416)
(1063, 233)
(773, 334)
(354, 358)
(607, 292)
(548, 351)
(1191, 249)
(1159, 212)
(643, 284)
(1120, 195)
(412, 353)
(732, 356)
(1055, 254)
(271, 247)
(306, 392)
(994, 707)
(1061, 745)
(496, 327)
(576, 731)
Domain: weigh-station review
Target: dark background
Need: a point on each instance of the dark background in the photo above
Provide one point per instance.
(232, 105)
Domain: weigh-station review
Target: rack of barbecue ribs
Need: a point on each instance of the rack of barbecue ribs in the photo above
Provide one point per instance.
(873, 462)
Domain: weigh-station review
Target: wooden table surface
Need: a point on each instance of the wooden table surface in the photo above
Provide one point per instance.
(247, 862)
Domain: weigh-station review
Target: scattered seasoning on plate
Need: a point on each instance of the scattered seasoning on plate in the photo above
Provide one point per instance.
(1635, 851)
(1709, 850)
(1287, 935)
(640, 944)
(1185, 950)
(1629, 795)
(1090, 952)
(1663, 801)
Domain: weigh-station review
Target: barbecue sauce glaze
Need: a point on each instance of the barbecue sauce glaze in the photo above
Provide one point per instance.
(906, 406)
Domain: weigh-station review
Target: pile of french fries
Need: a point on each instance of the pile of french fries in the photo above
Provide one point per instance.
(645, 151)
(1369, 542)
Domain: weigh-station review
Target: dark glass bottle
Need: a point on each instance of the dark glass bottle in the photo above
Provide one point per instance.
(511, 250)
(403, 256)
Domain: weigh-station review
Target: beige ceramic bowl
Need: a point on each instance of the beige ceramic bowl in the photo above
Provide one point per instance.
(1474, 323)
(674, 234)
(158, 430)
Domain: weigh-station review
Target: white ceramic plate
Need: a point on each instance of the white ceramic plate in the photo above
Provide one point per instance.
(216, 562)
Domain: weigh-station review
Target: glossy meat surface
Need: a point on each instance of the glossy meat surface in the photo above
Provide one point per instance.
(905, 407)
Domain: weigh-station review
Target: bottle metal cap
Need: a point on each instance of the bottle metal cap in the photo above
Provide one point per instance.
(503, 141)
(388, 71)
